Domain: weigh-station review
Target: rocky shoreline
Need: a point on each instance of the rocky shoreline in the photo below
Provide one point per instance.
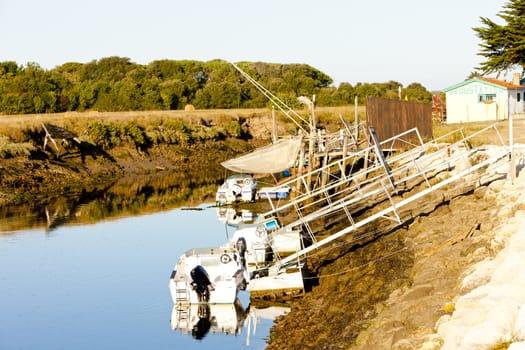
(405, 289)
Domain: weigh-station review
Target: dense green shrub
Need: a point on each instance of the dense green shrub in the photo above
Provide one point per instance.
(175, 131)
(105, 135)
(208, 133)
(233, 129)
(135, 135)
(110, 135)
(9, 149)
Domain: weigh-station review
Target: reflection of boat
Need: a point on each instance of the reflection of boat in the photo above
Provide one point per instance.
(207, 275)
(257, 314)
(266, 237)
(200, 319)
(233, 217)
(269, 312)
(238, 187)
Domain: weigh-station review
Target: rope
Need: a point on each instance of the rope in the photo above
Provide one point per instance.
(335, 246)
(358, 267)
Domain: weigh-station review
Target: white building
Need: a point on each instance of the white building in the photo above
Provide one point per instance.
(484, 99)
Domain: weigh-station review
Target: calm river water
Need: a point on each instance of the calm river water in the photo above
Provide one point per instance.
(105, 286)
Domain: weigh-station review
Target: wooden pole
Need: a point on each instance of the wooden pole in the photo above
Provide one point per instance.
(313, 113)
(274, 126)
(512, 163)
(311, 144)
(345, 153)
(300, 169)
(356, 117)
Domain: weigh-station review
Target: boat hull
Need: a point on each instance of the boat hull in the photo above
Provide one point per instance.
(207, 275)
(274, 192)
(280, 286)
(224, 292)
(265, 238)
(239, 187)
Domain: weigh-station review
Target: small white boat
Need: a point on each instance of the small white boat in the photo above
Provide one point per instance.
(262, 239)
(278, 282)
(279, 192)
(238, 187)
(207, 275)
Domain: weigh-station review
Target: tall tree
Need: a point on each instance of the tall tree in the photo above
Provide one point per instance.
(503, 45)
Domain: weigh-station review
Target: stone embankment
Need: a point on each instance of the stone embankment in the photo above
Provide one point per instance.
(450, 279)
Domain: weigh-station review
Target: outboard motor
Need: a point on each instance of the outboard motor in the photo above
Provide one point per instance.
(201, 283)
(240, 245)
(201, 328)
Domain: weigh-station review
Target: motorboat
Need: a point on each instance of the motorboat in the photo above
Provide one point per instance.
(274, 158)
(259, 241)
(276, 192)
(207, 275)
(238, 187)
(277, 281)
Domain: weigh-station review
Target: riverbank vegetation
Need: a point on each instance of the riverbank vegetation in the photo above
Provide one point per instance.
(143, 130)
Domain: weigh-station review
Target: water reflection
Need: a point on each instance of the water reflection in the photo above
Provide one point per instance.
(229, 319)
(235, 216)
(199, 319)
(104, 286)
(128, 196)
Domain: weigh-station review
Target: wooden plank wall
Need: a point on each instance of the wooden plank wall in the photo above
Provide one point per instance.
(392, 117)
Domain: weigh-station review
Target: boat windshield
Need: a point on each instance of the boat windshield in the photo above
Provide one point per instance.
(271, 225)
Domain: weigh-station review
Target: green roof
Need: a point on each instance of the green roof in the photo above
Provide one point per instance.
(500, 84)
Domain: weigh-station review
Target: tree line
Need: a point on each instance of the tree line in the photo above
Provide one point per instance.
(117, 84)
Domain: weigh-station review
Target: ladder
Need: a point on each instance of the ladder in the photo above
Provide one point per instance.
(416, 170)
(344, 175)
(181, 292)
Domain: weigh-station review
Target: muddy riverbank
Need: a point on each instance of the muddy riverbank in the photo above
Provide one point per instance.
(26, 180)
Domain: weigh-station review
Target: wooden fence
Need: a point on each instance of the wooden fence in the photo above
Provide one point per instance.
(392, 117)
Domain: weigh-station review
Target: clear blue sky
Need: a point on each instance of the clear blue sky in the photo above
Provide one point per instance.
(430, 42)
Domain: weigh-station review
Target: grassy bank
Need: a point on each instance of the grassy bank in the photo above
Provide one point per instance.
(116, 144)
